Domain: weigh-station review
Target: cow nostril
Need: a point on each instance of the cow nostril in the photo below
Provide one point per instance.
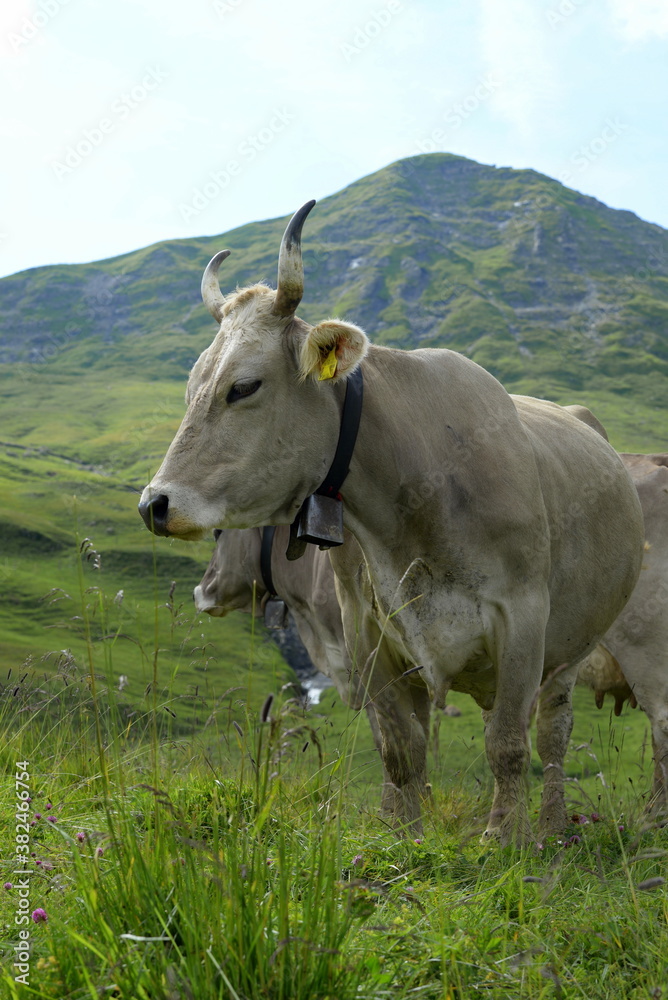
(154, 513)
(160, 505)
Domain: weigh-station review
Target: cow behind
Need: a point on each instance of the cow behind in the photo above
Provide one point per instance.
(233, 581)
(632, 661)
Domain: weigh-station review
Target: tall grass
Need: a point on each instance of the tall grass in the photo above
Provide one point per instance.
(245, 860)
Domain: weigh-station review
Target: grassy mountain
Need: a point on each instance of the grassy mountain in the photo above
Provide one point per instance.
(552, 291)
(545, 287)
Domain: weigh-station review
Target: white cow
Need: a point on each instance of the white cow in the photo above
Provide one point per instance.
(501, 537)
(632, 659)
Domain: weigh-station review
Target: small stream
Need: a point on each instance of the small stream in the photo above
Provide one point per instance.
(315, 686)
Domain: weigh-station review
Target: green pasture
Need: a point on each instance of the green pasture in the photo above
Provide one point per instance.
(240, 855)
(226, 857)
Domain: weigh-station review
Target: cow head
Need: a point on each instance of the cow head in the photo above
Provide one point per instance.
(263, 412)
(227, 584)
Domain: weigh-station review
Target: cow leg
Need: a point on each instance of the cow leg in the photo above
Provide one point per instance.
(359, 698)
(422, 710)
(650, 687)
(404, 756)
(659, 801)
(393, 797)
(389, 803)
(403, 740)
(554, 725)
(397, 717)
(508, 754)
(506, 733)
(436, 734)
(648, 680)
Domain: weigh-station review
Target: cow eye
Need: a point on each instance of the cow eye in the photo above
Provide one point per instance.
(242, 389)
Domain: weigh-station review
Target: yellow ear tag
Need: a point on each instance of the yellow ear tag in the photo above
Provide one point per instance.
(328, 369)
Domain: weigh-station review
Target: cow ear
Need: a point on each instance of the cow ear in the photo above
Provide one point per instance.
(332, 350)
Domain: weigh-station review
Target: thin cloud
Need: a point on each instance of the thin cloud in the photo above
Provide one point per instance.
(516, 53)
(640, 20)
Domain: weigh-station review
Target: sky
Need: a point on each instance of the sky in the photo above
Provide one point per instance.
(126, 123)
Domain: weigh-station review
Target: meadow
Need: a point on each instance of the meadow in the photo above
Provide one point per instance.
(210, 836)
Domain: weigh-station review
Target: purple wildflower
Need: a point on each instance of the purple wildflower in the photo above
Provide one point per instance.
(8, 885)
(39, 915)
(81, 836)
(51, 819)
(38, 815)
(358, 859)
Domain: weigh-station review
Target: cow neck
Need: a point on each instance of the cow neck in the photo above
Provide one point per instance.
(373, 489)
(320, 517)
(351, 415)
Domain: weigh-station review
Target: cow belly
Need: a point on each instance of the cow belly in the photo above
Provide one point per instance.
(584, 604)
(448, 639)
(595, 527)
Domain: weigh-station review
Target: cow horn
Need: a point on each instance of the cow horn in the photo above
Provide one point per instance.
(212, 296)
(290, 267)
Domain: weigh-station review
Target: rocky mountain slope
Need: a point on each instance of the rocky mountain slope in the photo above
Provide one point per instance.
(529, 278)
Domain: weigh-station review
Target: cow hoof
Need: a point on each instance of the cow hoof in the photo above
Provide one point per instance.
(552, 825)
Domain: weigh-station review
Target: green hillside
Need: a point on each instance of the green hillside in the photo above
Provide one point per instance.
(552, 291)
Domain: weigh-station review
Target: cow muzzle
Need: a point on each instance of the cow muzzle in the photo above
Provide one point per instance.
(206, 604)
(154, 513)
